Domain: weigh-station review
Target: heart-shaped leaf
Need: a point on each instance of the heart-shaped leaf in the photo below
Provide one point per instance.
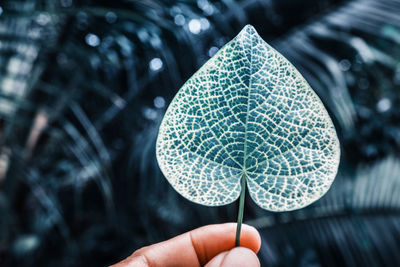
(248, 113)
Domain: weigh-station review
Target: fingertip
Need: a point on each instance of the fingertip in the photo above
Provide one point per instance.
(239, 256)
(250, 238)
(217, 260)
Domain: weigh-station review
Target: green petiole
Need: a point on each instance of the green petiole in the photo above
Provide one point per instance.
(241, 209)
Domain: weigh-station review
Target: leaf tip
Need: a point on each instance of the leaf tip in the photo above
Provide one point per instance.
(248, 29)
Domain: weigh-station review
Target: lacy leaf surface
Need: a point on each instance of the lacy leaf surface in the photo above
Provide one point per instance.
(248, 111)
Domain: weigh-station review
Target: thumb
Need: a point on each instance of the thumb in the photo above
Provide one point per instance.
(238, 256)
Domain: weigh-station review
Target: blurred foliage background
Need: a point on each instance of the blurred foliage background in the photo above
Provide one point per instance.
(84, 85)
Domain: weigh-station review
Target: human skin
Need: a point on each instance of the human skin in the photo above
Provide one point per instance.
(210, 246)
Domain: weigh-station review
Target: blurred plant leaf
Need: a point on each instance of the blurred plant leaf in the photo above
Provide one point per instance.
(350, 218)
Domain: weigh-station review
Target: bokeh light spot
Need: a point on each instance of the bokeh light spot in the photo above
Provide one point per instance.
(156, 64)
(212, 51)
(344, 65)
(179, 20)
(159, 102)
(111, 17)
(195, 26)
(92, 39)
(204, 24)
(384, 104)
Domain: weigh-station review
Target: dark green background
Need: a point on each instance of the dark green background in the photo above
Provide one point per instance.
(79, 181)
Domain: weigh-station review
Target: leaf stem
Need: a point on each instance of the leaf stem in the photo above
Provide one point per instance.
(241, 209)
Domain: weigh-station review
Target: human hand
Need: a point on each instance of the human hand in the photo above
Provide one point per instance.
(211, 245)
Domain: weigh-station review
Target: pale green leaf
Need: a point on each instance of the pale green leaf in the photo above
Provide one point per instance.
(249, 112)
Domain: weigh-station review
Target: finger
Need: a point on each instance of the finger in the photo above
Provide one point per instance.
(211, 240)
(196, 247)
(235, 257)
